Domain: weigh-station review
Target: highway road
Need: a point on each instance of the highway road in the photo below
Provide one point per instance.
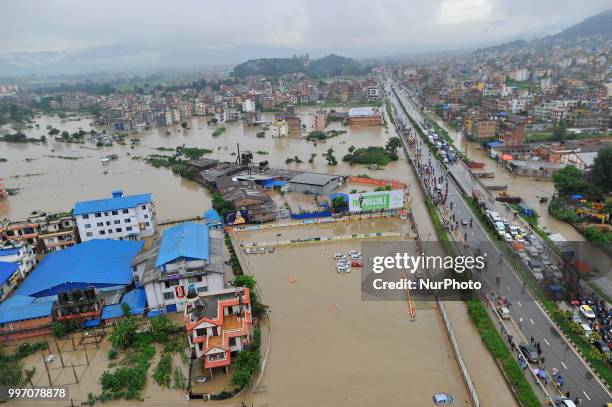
(579, 379)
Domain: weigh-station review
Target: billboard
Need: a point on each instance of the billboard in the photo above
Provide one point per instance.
(238, 217)
(376, 201)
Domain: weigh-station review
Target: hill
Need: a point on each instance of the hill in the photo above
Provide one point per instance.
(331, 65)
(599, 24)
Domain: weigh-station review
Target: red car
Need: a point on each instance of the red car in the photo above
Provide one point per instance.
(356, 263)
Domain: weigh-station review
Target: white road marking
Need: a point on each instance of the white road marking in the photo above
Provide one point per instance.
(586, 395)
(519, 303)
(509, 289)
(563, 364)
(546, 342)
(531, 320)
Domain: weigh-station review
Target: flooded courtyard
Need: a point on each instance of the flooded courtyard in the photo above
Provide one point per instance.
(330, 348)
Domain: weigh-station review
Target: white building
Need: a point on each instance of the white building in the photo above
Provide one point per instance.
(120, 217)
(21, 253)
(185, 262)
(248, 105)
(520, 75)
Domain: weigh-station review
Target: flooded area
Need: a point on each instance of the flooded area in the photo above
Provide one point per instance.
(54, 184)
(330, 348)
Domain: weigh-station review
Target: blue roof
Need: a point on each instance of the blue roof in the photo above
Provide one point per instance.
(271, 183)
(20, 307)
(136, 299)
(90, 323)
(212, 216)
(8, 252)
(154, 313)
(495, 143)
(189, 240)
(7, 270)
(98, 263)
(110, 204)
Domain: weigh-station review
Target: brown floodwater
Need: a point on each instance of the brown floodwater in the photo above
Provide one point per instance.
(53, 184)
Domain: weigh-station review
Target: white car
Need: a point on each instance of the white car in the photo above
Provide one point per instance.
(587, 312)
(508, 237)
(351, 252)
(339, 256)
(343, 269)
(356, 256)
(504, 313)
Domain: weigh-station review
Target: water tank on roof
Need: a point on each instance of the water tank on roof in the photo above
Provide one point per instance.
(76, 294)
(63, 298)
(117, 193)
(90, 293)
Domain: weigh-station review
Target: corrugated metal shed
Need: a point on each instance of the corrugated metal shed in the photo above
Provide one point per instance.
(136, 299)
(8, 252)
(189, 240)
(7, 270)
(21, 307)
(98, 263)
(212, 215)
(111, 204)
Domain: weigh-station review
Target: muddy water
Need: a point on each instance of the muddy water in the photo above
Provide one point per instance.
(65, 181)
(330, 348)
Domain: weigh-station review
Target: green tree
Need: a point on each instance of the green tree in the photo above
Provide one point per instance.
(393, 144)
(329, 156)
(351, 149)
(125, 308)
(569, 180)
(602, 169)
(220, 204)
(245, 281)
(608, 206)
(184, 125)
(65, 135)
(53, 132)
(162, 327)
(338, 203)
(124, 333)
(559, 132)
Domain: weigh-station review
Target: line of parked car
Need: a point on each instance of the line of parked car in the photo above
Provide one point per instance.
(444, 149)
(345, 262)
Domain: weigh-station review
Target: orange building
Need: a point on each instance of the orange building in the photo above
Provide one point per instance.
(218, 326)
(369, 116)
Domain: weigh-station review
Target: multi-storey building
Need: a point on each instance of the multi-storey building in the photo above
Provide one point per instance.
(186, 261)
(120, 217)
(218, 326)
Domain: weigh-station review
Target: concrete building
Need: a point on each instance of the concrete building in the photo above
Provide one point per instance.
(279, 128)
(44, 231)
(370, 116)
(315, 184)
(483, 129)
(186, 261)
(70, 284)
(218, 326)
(520, 75)
(20, 253)
(9, 274)
(120, 217)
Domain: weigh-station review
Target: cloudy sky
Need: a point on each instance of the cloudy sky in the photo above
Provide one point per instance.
(362, 27)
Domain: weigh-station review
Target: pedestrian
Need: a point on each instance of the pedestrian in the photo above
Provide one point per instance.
(542, 360)
(532, 339)
(520, 324)
(524, 285)
(567, 394)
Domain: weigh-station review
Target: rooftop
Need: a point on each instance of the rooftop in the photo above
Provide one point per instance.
(312, 178)
(98, 263)
(21, 307)
(136, 299)
(363, 111)
(188, 240)
(7, 270)
(118, 201)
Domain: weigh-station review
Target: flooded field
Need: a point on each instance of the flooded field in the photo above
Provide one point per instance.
(52, 183)
(330, 348)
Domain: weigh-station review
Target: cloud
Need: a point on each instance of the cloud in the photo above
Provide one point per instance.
(463, 11)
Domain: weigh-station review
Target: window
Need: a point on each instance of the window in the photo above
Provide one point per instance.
(129, 228)
(115, 212)
(126, 220)
(194, 279)
(118, 230)
(102, 232)
(144, 207)
(169, 296)
(86, 216)
(100, 224)
(125, 211)
(232, 341)
(88, 226)
(106, 213)
(108, 223)
(136, 279)
(89, 234)
(171, 283)
(202, 289)
(110, 231)
(201, 332)
(146, 216)
(98, 215)
(147, 224)
(116, 222)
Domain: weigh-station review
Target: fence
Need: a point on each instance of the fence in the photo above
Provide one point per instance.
(379, 182)
(464, 371)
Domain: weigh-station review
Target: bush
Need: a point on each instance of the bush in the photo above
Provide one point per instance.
(124, 333)
(112, 353)
(370, 155)
(162, 327)
(163, 370)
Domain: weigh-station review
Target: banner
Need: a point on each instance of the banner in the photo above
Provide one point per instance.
(376, 201)
(180, 291)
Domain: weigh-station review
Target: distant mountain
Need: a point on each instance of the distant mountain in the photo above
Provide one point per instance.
(599, 25)
(331, 65)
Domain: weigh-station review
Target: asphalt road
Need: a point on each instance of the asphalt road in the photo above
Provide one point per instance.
(579, 380)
